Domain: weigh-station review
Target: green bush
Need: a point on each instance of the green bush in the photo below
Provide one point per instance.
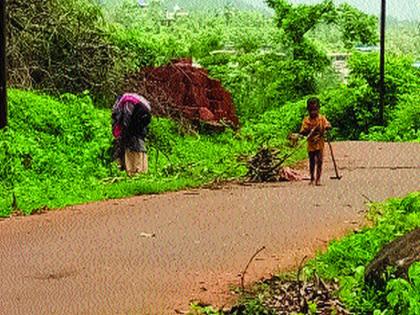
(354, 108)
(404, 122)
(50, 147)
(262, 82)
(140, 49)
(60, 46)
(273, 127)
(403, 295)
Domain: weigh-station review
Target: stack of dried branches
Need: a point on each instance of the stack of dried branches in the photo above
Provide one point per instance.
(295, 296)
(264, 166)
(267, 166)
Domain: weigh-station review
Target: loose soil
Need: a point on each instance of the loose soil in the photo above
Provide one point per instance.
(181, 90)
(154, 254)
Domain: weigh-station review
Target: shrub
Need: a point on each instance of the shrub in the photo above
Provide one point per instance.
(60, 46)
(354, 109)
(404, 122)
(51, 147)
(404, 296)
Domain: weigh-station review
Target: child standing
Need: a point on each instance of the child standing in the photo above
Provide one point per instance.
(314, 127)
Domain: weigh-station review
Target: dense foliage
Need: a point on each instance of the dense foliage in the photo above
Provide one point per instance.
(52, 150)
(60, 46)
(353, 108)
(197, 5)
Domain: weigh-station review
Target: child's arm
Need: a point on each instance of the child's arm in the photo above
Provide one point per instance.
(305, 129)
(309, 132)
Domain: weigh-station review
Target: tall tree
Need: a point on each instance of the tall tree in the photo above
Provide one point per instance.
(297, 20)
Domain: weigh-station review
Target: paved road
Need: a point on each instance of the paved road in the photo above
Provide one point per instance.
(154, 254)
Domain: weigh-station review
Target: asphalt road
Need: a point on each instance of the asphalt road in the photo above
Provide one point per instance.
(154, 254)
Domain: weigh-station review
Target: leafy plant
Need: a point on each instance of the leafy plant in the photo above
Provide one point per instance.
(357, 27)
(354, 108)
(404, 296)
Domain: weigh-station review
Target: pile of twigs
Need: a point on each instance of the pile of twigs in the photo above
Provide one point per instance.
(265, 166)
(294, 296)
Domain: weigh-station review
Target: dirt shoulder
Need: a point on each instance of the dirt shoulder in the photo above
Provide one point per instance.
(154, 254)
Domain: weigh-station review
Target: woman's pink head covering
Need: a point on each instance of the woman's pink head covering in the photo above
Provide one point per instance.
(134, 99)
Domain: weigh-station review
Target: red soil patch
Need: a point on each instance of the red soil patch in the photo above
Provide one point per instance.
(181, 90)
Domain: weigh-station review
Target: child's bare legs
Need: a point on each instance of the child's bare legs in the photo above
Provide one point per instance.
(318, 161)
(312, 163)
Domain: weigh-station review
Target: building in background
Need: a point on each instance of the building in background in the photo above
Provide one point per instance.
(339, 63)
(142, 3)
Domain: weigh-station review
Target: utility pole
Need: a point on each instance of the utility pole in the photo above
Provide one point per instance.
(382, 65)
(3, 76)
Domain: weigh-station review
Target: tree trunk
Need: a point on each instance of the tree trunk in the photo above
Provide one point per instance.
(400, 254)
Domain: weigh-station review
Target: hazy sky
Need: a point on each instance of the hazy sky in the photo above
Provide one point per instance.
(401, 9)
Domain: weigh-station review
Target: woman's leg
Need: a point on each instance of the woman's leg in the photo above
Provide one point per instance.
(136, 162)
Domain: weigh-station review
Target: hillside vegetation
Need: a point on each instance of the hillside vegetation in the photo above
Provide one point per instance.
(197, 5)
(68, 59)
(58, 144)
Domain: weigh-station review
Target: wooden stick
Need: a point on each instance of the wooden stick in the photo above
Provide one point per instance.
(333, 159)
(246, 268)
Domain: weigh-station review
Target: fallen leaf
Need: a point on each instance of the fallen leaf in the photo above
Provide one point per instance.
(147, 235)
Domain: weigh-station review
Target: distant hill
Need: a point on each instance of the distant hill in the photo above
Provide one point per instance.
(218, 4)
(399, 9)
(259, 5)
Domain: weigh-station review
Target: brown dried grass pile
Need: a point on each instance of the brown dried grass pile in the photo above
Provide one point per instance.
(264, 166)
(307, 297)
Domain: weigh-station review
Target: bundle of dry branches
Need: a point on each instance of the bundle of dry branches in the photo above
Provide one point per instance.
(264, 166)
(267, 166)
(295, 296)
